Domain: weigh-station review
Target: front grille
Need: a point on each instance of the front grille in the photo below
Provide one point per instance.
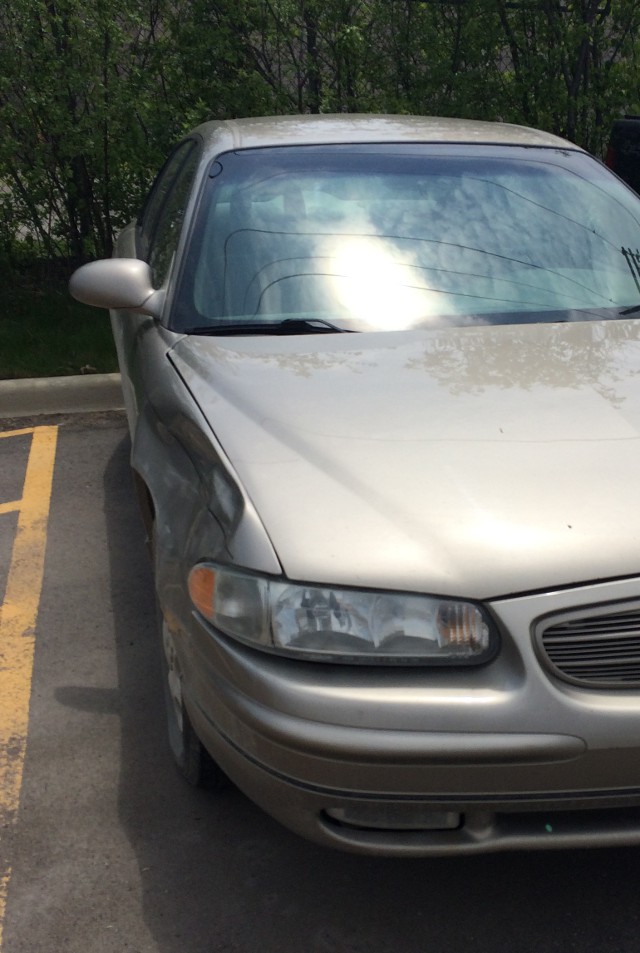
(594, 648)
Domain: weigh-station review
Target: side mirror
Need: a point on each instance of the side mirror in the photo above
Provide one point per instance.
(116, 283)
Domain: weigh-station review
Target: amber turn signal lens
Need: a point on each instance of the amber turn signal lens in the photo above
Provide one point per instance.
(202, 583)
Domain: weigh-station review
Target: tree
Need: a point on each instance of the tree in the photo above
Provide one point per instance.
(93, 93)
(572, 66)
(75, 101)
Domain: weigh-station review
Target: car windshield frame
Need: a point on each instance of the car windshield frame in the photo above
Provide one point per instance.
(405, 236)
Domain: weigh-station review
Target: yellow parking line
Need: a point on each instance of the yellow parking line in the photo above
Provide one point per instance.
(18, 616)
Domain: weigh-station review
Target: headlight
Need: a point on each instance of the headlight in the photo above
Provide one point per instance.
(343, 625)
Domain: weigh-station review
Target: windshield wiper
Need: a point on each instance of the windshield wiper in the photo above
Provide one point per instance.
(287, 326)
(633, 310)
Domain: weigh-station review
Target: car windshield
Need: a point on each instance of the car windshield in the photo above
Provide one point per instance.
(398, 237)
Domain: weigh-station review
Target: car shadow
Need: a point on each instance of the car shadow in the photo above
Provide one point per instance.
(216, 874)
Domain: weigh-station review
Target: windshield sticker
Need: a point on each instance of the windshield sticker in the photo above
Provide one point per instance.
(633, 261)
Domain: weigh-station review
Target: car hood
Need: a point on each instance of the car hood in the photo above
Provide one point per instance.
(478, 461)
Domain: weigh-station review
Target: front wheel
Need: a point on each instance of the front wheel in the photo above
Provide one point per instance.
(191, 757)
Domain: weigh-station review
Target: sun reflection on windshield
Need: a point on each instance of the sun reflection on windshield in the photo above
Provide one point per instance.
(375, 287)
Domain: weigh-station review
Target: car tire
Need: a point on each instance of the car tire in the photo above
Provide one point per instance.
(191, 757)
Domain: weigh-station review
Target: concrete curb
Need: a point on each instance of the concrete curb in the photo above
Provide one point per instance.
(60, 395)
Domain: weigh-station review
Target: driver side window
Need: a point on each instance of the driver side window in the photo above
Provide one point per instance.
(163, 214)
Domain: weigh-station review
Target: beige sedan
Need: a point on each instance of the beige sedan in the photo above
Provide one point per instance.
(382, 377)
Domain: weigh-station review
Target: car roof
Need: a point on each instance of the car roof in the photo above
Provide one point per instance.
(222, 136)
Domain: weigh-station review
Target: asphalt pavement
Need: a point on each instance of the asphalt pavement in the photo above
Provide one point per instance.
(110, 851)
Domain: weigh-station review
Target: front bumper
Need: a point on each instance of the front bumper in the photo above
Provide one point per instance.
(417, 761)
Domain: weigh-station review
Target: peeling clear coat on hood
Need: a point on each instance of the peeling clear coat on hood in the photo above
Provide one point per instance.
(478, 462)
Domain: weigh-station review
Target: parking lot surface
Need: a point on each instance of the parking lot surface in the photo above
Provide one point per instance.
(105, 848)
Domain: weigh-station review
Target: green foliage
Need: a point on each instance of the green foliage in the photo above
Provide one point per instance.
(93, 93)
(72, 152)
(570, 63)
(45, 333)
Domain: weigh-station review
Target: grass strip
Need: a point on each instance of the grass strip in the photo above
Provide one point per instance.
(45, 333)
